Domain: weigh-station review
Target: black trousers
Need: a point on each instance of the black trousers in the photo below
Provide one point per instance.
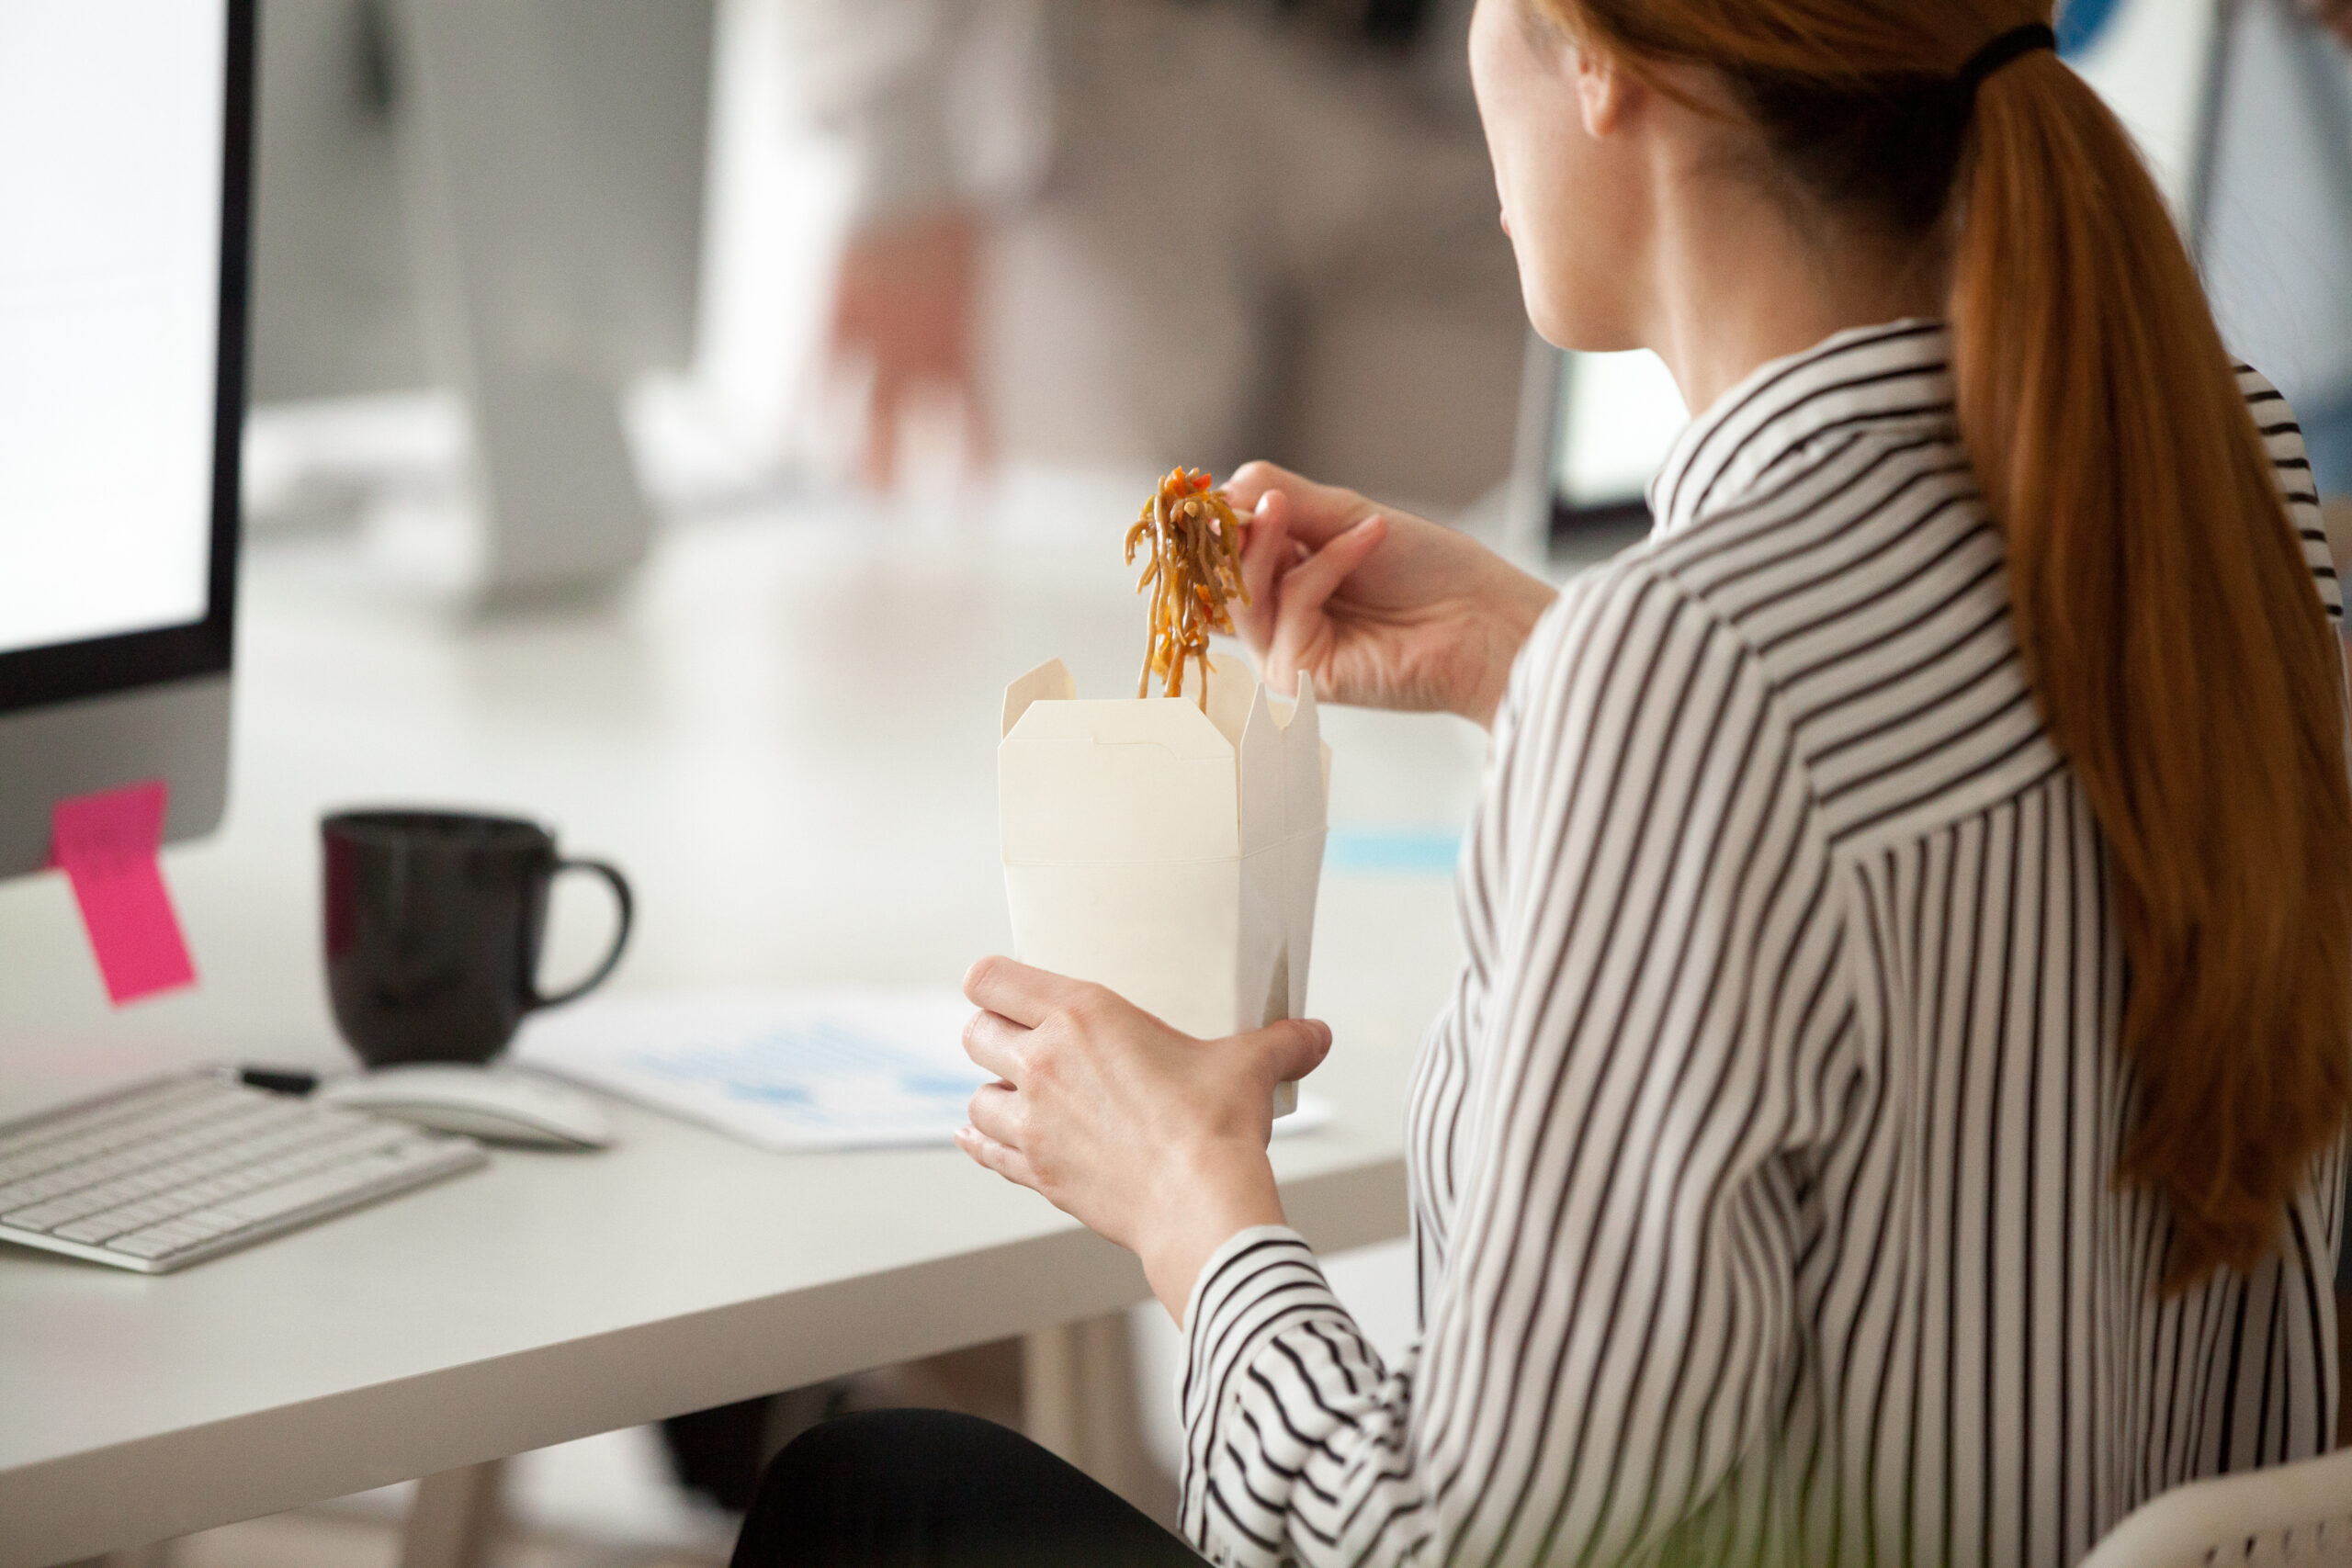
(935, 1489)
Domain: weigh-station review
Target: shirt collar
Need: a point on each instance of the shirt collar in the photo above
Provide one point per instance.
(1886, 377)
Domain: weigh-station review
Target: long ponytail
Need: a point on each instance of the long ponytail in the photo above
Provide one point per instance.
(2165, 615)
(2169, 626)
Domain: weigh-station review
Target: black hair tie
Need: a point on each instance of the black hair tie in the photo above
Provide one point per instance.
(2004, 48)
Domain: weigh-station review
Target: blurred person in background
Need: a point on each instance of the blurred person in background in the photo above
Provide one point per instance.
(1149, 231)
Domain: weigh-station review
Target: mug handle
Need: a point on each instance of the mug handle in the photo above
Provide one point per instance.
(619, 886)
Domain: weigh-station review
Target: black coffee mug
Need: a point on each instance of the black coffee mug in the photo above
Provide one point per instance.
(434, 922)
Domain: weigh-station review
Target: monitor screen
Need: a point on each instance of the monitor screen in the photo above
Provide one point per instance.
(1617, 414)
(114, 152)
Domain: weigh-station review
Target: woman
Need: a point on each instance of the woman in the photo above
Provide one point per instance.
(1891, 1110)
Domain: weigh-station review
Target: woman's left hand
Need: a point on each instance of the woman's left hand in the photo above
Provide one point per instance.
(1152, 1138)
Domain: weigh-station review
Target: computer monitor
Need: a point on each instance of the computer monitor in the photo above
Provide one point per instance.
(125, 154)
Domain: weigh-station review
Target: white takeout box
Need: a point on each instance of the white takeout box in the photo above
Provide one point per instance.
(1168, 854)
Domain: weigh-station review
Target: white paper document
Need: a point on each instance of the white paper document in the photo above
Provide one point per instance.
(786, 1070)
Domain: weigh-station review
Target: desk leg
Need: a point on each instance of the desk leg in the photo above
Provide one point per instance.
(454, 1514)
(1078, 1396)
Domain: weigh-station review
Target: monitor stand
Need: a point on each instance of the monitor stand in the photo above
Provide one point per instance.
(177, 731)
(510, 225)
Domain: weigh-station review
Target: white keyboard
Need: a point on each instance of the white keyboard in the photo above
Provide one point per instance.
(178, 1170)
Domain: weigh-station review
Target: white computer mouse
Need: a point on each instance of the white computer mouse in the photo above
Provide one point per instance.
(492, 1103)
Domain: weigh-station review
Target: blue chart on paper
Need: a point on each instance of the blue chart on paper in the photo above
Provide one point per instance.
(784, 1071)
(788, 1066)
(788, 1070)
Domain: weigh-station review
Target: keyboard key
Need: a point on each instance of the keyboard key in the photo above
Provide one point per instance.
(174, 1236)
(94, 1229)
(135, 1134)
(43, 1132)
(271, 1203)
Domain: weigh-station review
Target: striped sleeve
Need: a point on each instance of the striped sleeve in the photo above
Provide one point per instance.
(1667, 1032)
(2282, 442)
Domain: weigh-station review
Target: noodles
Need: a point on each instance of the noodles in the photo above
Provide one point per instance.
(1194, 567)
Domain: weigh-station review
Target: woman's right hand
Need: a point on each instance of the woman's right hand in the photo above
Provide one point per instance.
(1383, 609)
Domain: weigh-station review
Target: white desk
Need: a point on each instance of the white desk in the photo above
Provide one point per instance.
(784, 735)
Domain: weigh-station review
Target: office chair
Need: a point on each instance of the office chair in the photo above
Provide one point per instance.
(2291, 1514)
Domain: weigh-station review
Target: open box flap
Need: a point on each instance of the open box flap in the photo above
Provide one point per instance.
(1306, 761)
(1233, 691)
(1050, 680)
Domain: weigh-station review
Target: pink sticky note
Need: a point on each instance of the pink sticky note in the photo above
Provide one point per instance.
(107, 844)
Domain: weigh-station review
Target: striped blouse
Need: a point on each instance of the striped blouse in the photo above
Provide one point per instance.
(1760, 1165)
